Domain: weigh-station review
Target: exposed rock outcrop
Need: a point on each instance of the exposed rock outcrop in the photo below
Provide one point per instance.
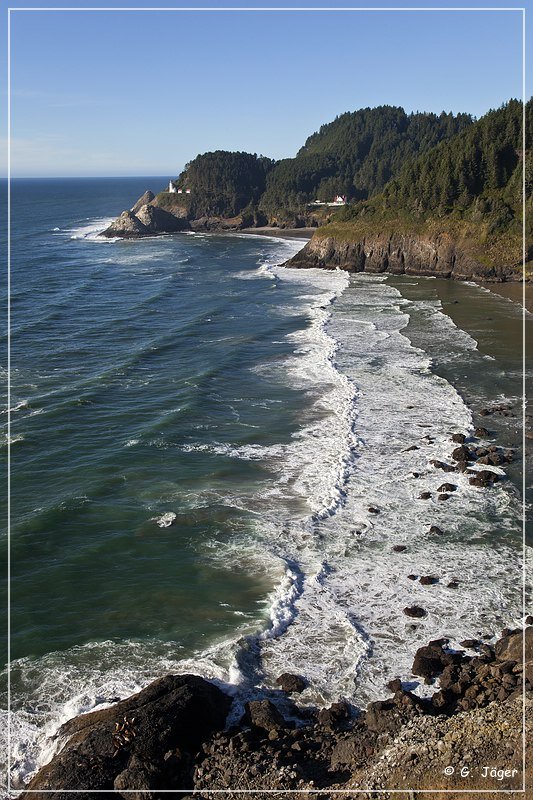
(144, 742)
(143, 200)
(127, 226)
(157, 220)
(148, 217)
(400, 254)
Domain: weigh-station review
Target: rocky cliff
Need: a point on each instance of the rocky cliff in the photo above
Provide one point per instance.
(148, 217)
(436, 254)
(170, 735)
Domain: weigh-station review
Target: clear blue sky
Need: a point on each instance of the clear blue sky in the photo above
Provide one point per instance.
(141, 93)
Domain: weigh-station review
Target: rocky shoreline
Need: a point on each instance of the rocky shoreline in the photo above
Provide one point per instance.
(172, 734)
(154, 215)
(437, 255)
(401, 254)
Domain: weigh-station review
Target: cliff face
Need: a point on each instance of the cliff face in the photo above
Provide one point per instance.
(400, 254)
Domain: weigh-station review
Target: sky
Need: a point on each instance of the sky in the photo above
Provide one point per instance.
(97, 93)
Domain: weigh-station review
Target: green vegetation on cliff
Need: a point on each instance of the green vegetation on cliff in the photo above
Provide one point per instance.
(355, 155)
(223, 183)
(469, 187)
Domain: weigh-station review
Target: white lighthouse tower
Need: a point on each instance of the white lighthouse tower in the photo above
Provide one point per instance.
(171, 188)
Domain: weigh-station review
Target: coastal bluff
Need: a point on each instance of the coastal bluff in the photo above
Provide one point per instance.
(174, 734)
(430, 254)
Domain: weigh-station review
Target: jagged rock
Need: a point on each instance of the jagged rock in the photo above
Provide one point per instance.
(510, 648)
(424, 495)
(447, 487)
(481, 433)
(335, 715)
(157, 220)
(127, 226)
(395, 685)
(469, 643)
(373, 510)
(428, 580)
(461, 453)
(428, 662)
(137, 781)
(143, 200)
(412, 577)
(399, 548)
(415, 611)
(484, 478)
(264, 715)
(291, 683)
(460, 438)
(436, 530)
(178, 711)
(443, 497)
(442, 465)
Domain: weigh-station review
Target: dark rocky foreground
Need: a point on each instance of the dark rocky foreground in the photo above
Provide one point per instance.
(399, 254)
(172, 734)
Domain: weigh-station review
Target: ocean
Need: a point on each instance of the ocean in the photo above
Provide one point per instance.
(213, 457)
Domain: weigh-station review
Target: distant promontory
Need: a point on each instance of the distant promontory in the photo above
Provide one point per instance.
(387, 191)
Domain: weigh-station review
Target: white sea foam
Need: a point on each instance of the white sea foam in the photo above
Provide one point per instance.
(165, 520)
(90, 230)
(349, 634)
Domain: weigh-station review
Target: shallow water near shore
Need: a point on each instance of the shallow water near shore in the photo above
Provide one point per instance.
(266, 411)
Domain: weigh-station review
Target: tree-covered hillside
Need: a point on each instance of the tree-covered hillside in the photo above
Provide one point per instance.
(355, 155)
(469, 186)
(224, 183)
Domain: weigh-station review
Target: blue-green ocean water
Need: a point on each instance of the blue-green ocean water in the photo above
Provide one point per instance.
(263, 410)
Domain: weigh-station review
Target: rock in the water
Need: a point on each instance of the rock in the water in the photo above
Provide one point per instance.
(143, 200)
(127, 226)
(428, 580)
(424, 495)
(443, 496)
(399, 548)
(436, 530)
(291, 683)
(460, 438)
(484, 478)
(442, 465)
(131, 737)
(447, 487)
(373, 510)
(461, 453)
(414, 611)
(481, 433)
